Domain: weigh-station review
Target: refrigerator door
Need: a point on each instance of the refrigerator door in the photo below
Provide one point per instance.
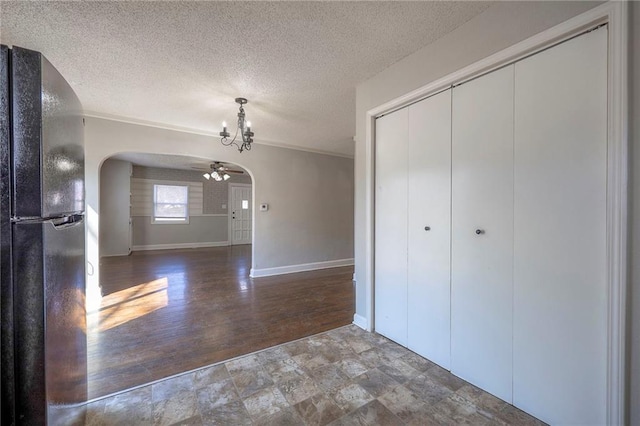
(49, 292)
(6, 284)
(48, 140)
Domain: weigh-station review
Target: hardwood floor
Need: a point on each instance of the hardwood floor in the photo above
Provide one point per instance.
(171, 311)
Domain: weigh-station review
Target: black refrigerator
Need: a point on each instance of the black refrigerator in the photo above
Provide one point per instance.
(42, 297)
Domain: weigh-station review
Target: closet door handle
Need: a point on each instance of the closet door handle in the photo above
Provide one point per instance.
(427, 228)
(479, 231)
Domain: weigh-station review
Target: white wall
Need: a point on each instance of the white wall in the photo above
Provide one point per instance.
(310, 195)
(634, 295)
(502, 25)
(114, 210)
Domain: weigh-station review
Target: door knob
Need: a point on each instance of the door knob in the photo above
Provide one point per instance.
(479, 231)
(427, 228)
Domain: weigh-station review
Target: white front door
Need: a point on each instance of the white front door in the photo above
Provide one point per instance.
(240, 214)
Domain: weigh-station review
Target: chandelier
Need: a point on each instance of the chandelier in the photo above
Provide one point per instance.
(244, 128)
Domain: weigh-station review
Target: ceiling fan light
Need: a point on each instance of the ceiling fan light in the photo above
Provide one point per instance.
(215, 175)
(226, 176)
(207, 176)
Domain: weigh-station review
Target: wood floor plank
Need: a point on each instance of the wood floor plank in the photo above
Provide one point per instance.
(165, 312)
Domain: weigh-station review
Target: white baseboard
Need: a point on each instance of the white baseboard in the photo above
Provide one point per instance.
(360, 321)
(181, 246)
(267, 272)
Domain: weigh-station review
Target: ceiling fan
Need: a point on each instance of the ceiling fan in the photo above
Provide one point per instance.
(217, 171)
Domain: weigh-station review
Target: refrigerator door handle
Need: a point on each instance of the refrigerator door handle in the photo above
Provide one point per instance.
(67, 221)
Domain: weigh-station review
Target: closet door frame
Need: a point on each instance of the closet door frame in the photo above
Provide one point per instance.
(615, 14)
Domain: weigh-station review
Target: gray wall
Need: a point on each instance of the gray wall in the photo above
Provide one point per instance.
(201, 229)
(114, 190)
(310, 195)
(634, 295)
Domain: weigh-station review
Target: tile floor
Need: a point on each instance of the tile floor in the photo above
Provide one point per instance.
(342, 377)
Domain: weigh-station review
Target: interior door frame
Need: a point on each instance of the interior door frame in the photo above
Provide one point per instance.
(615, 14)
(230, 206)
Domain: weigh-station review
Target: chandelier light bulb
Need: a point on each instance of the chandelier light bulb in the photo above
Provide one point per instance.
(243, 134)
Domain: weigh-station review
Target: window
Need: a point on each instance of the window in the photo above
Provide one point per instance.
(170, 204)
(245, 204)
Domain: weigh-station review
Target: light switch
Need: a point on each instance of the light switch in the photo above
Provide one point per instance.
(224, 207)
(264, 207)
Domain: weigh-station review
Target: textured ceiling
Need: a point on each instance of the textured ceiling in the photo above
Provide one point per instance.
(182, 63)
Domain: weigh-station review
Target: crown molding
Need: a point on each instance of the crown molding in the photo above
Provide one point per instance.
(164, 126)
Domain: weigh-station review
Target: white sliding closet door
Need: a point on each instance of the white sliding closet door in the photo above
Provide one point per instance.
(482, 232)
(560, 293)
(430, 228)
(391, 226)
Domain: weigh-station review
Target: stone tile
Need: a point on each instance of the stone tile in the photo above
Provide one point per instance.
(393, 350)
(233, 413)
(216, 394)
(487, 405)
(455, 410)
(310, 361)
(399, 370)
(286, 417)
(351, 396)
(207, 376)
(428, 390)
(351, 419)
(375, 339)
(512, 416)
(374, 413)
(249, 382)
(376, 382)
(445, 378)
(179, 407)
(241, 365)
(265, 402)
(351, 367)
(358, 345)
(284, 370)
(298, 389)
(374, 357)
(169, 387)
(404, 404)
(318, 410)
(67, 415)
(330, 377)
(297, 348)
(273, 354)
(416, 361)
(191, 421)
(133, 407)
(95, 413)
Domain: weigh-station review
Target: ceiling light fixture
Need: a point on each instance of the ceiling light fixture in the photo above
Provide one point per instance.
(244, 127)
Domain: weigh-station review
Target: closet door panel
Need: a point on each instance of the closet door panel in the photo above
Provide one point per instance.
(482, 232)
(560, 293)
(429, 249)
(391, 226)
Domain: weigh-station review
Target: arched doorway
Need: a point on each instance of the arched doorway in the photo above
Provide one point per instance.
(165, 259)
